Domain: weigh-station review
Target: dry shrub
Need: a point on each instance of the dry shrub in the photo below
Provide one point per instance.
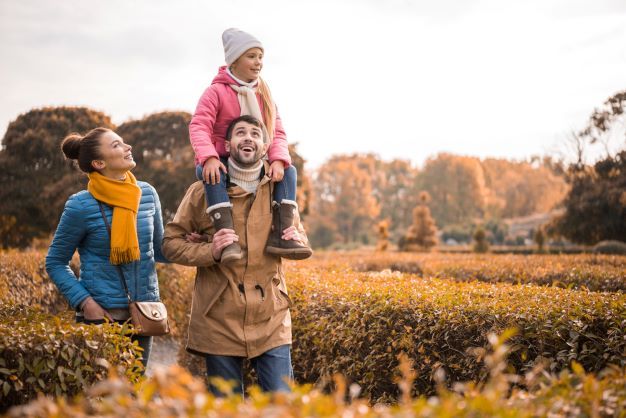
(23, 280)
(357, 323)
(173, 392)
(41, 353)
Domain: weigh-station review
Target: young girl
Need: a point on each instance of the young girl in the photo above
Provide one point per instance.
(238, 90)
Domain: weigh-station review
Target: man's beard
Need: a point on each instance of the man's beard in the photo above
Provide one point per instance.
(246, 162)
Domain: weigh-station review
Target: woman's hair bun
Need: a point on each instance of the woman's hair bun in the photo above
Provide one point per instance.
(71, 146)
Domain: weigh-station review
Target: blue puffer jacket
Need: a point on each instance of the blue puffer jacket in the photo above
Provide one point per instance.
(82, 227)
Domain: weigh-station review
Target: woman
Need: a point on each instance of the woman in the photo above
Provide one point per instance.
(133, 213)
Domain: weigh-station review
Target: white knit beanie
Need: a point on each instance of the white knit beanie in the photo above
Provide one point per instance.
(236, 42)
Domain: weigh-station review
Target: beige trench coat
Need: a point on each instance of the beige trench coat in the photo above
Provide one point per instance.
(241, 308)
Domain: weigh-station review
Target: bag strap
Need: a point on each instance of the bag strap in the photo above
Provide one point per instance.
(118, 268)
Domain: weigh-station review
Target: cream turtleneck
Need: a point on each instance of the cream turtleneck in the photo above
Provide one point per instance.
(246, 178)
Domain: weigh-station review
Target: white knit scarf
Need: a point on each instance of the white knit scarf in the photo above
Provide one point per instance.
(246, 94)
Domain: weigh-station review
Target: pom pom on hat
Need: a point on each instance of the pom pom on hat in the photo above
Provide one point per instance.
(236, 42)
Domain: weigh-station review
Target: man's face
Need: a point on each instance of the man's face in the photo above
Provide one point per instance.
(246, 145)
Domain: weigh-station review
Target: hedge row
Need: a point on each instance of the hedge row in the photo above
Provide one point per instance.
(41, 353)
(594, 272)
(173, 392)
(23, 280)
(357, 323)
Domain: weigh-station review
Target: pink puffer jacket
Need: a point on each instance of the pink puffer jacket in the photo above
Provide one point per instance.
(219, 106)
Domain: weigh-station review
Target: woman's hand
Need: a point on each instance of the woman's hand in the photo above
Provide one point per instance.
(277, 171)
(211, 170)
(92, 311)
(222, 239)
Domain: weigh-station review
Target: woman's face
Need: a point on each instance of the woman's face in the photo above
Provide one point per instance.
(249, 65)
(116, 158)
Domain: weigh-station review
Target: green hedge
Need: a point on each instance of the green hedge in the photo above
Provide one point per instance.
(41, 353)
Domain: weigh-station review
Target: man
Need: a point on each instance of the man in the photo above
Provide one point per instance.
(240, 309)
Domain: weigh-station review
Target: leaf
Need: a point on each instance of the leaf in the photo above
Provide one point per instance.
(102, 363)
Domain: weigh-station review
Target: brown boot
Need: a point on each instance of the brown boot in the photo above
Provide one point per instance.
(223, 219)
(282, 218)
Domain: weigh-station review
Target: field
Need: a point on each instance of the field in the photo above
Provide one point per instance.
(356, 314)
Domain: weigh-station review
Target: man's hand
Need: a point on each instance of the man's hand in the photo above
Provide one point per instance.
(211, 170)
(277, 171)
(292, 234)
(93, 311)
(222, 239)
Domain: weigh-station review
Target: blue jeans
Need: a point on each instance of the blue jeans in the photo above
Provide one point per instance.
(216, 193)
(273, 369)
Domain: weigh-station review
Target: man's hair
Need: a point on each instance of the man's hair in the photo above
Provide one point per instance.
(248, 119)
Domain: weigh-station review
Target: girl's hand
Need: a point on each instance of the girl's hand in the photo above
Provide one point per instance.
(222, 239)
(292, 234)
(277, 171)
(92, 311)
(196, 238)
(211, 170)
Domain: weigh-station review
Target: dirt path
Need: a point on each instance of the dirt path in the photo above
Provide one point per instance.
(164, 353)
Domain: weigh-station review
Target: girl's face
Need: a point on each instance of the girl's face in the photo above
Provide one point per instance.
(249, 65)
(116, 158)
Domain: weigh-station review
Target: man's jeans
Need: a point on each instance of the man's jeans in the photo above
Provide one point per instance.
(273, 369)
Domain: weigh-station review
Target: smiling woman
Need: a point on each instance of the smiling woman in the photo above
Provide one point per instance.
(132, 209)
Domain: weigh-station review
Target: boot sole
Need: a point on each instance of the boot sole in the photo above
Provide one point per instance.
(232, 257)
(294, 254)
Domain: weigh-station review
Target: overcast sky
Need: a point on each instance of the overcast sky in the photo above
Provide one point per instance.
(404, 79)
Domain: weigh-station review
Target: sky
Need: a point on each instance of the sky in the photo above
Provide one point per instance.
(399, 78)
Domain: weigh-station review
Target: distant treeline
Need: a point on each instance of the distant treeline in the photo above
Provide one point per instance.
(341, 202)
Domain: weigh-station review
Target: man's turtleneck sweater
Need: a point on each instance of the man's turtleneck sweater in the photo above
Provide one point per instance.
(246, 178)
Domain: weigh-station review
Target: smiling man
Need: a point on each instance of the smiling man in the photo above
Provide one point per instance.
(240, 309)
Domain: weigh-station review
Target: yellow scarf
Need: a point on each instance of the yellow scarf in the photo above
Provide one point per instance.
(124, 196)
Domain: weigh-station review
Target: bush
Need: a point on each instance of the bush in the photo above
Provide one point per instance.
(586, 271)
(173, 392)
(610, 247)
(41, 353)
(24, 281)
(357, 323)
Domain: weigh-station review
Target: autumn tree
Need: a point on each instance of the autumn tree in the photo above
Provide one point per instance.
(521, 188)
(35, 176)
(595, 208)
(540, 239)
(383, 235)
(481, 245)
(456, 185)
(343, 200)
(422, 234)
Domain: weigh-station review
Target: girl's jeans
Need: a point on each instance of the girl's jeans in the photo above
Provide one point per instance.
(216, 193)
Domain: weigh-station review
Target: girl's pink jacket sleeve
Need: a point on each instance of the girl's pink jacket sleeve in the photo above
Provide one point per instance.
(279, 149)
(201, 126)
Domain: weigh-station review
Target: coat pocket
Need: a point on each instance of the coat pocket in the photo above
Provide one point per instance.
(207, 291)
(281, 296)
